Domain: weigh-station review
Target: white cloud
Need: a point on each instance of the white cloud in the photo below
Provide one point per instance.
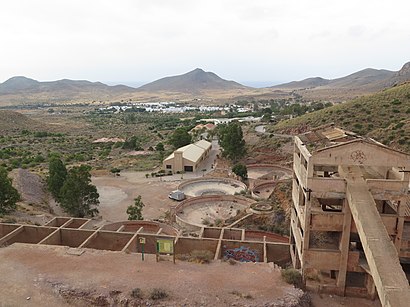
(238, 39)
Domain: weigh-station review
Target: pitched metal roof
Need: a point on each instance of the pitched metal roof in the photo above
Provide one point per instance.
(192, 152)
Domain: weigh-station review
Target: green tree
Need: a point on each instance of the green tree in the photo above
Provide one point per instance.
(130, 118)
(240, 170)
(135, 211)
(132, 143)
(180, 138)
(159, 147)
(8, 194)
(78, 196)
(57, 175)
(231, 141)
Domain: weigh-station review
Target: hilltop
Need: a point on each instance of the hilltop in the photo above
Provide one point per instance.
(194, 81)
(384, 116)
(304, 84)
(362, 78)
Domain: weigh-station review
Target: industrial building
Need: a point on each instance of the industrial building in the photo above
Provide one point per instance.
(350, 220)
(187, 158)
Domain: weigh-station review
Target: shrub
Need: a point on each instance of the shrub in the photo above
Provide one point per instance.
(206, 222)
(398, 126)
(136, 293)
(402, 141)
(232, 261)
(115, 170)
(292, 276)
(219, 222)
(198, 256)
(158, 294)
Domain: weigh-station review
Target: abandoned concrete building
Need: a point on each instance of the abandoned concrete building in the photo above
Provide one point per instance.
(350, 221)
(187, 158)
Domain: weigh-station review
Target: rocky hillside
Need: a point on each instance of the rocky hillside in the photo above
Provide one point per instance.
(384, 116)
(11, 121)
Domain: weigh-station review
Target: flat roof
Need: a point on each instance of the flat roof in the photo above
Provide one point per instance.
(329, 135)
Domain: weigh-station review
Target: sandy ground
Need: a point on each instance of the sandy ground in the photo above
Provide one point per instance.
(328, 300)
(38, 272)
(34, 275)
(117, 193)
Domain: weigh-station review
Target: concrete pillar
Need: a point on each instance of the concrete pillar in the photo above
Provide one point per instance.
(344, 249)
(400, 224)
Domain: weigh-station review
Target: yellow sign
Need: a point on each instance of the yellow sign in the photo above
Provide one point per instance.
(165, 246)
(142, 240)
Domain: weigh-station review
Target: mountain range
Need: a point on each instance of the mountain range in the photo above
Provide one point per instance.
(23, 85)
(365, 81)
(197, 83)
(364, 78)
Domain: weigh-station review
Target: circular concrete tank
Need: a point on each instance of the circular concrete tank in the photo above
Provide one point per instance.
(261, 208)
(268, 172)
(212, 186)
(201, 211)
(263, 189)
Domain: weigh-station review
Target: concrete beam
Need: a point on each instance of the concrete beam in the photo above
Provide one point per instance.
(381, 254)
(10, 235)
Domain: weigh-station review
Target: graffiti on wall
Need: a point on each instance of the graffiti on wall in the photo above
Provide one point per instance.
(242, 254)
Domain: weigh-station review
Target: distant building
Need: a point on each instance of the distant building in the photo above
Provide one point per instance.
(187, 158)
(218, 121)
(206, 127)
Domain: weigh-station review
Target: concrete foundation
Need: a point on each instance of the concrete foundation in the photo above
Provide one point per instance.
(212, 186)
(125, 237)
(197, 212)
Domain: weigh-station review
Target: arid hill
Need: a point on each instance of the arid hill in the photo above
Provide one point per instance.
(361, 78)
(22, 90)
(192, 82)
(306, 83)
(11, 121)
(360, 83)
(25, 85)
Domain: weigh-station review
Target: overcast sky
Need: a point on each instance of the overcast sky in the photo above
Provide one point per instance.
(256, 40)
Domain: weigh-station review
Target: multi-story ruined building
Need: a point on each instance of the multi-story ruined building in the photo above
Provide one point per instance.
(350, 221)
